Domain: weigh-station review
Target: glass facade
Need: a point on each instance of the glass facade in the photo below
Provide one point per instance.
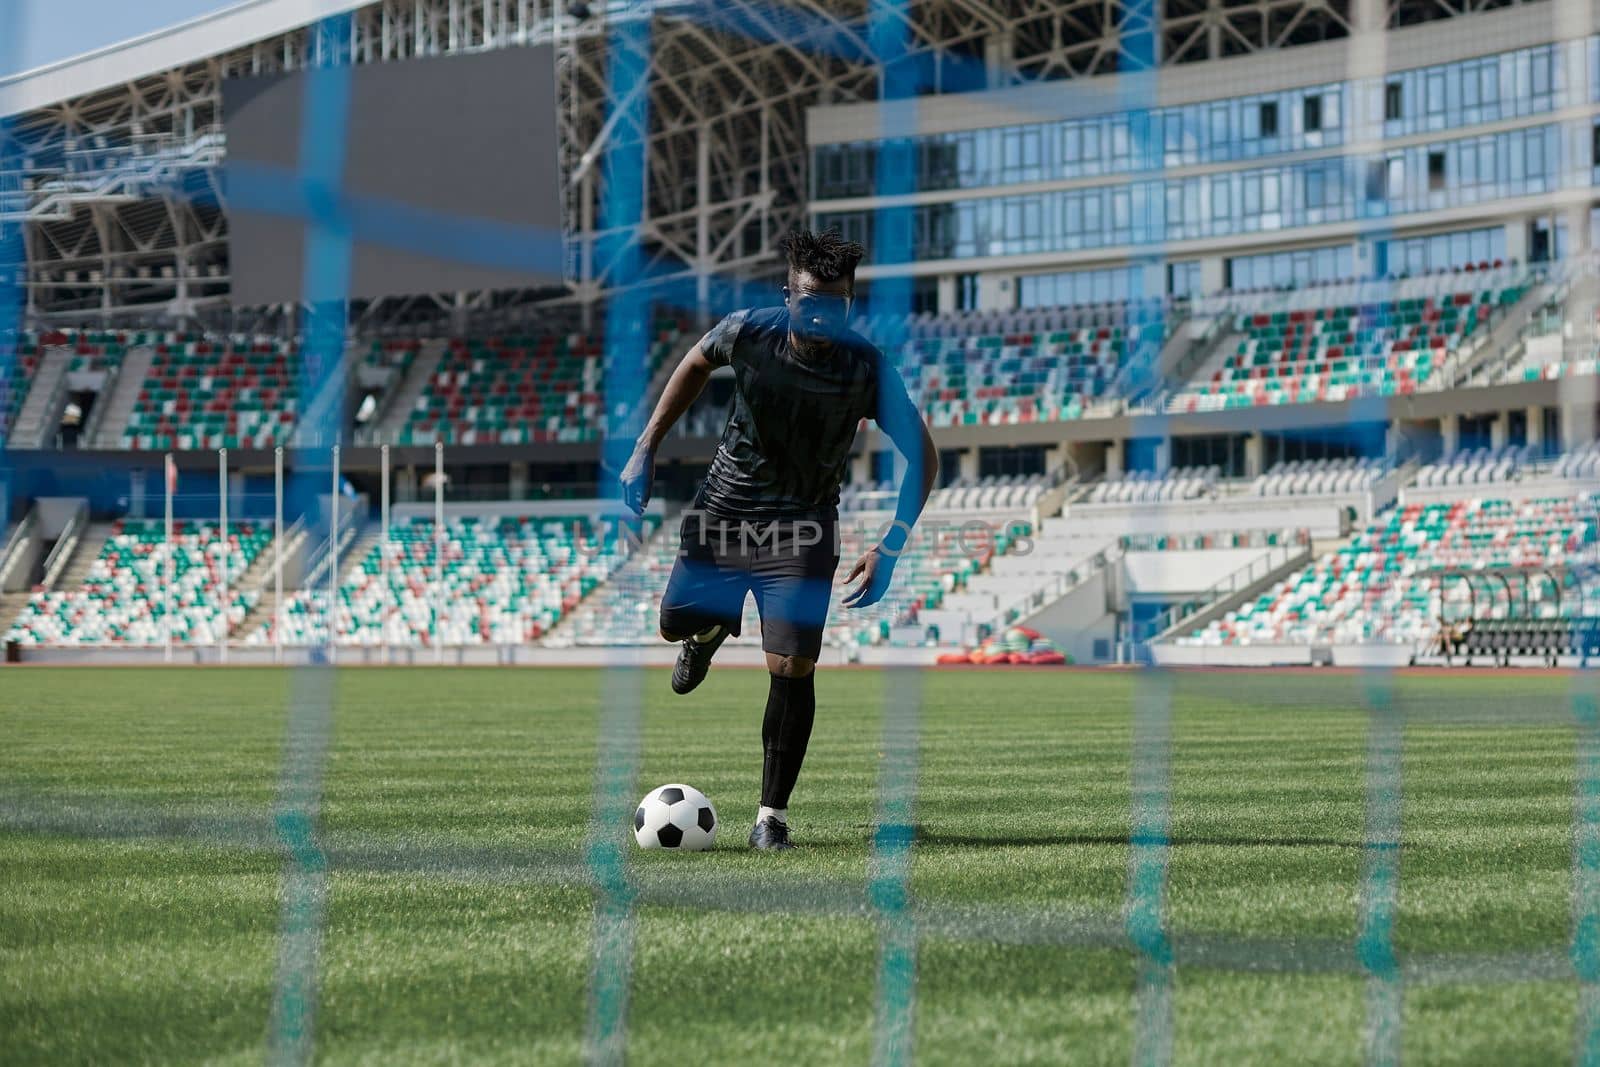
(1450, 96)
(1418, 255)
(1080, 287)
(1304, 266)
(1446, 173)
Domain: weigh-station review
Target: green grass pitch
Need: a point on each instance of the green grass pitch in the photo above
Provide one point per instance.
(140, 885)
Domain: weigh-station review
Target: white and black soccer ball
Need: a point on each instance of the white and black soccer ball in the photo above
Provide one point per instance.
(675, 816)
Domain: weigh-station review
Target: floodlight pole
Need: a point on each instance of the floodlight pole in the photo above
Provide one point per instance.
(222, 564)
(169, 475)
(438, 551)
(277, 554)
(333, 565)
(383, 558)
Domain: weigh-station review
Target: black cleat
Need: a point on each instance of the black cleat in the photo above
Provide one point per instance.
(694, 661)
(770, 835)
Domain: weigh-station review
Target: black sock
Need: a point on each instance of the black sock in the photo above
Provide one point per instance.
(791, 709)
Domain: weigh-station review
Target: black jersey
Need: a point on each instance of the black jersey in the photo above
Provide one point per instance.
(787, 442)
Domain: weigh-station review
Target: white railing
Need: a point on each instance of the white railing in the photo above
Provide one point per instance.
(1276, 558)
(71, 534)
(1053, 589)
(11, 558)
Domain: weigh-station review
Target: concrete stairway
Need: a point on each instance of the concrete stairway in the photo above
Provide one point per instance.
(1202, 366)
(259, 578)
(392, 419)
(321, 411)
(1505, 332)
(124, 397)
(41, 411)
(11, 605)
(84, 554)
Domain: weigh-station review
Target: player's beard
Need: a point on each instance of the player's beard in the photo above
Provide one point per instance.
(813, 348)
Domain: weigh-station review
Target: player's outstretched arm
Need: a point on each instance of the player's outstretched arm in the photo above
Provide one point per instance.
(688, 381)
(912, 438)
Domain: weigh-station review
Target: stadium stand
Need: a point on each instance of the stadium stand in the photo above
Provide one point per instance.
(937, 565)
(95, 350)
(1341, 351)
(1148, 487)
(1475, 466)
(387, 354)
(1024, 366)
(14, 384)
(525, 389)
(1320, 476)
(986, 494)
(1363, 292)
(507, 579)
(230, 392)
(1384, 585)
(122, 598)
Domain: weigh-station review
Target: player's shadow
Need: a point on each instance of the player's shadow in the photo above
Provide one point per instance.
(924, 836)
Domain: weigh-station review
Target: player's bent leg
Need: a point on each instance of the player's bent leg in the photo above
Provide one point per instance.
(701, 607)
(694, 658)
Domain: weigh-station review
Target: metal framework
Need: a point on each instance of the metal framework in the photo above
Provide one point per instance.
(125, 221)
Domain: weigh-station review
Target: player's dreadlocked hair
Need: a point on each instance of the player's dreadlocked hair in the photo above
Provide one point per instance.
(826, 255)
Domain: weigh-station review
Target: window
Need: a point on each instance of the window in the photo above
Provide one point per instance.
(1469, 85)
(1489, 82)
(1434, 86)
(949, 465)
(1072, 219)
(966, 292)
(1397, 178)
(1375, 181)
(1221, 200)
(1269, 119)
(1219, 127)
(1183, 279)
(1594, 146)
(1316, 188)
(1172, 134)
(1393, 99)
(1311, 113)
(1436, 172)
(999, 462)
(1540, 63)
(1534, 145)
(1269, 193)
(1071, 145)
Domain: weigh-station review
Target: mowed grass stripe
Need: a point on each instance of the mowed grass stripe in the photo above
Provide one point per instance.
(161, 950)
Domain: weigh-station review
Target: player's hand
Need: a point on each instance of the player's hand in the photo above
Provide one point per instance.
(636, 479)
(875, 569)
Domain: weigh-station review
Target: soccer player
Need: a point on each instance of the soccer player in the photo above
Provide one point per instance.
(765, 518)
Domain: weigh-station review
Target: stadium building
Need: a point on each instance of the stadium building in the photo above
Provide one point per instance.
(1250, 333)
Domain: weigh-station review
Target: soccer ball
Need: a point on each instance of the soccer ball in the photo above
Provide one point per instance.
(675, 816)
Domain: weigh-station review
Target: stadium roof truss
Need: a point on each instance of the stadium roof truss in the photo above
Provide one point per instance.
(117, 185)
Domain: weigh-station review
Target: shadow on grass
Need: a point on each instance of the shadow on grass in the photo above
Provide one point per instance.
(925, 836)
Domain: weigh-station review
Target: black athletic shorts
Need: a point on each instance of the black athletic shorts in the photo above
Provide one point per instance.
(787, 563)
